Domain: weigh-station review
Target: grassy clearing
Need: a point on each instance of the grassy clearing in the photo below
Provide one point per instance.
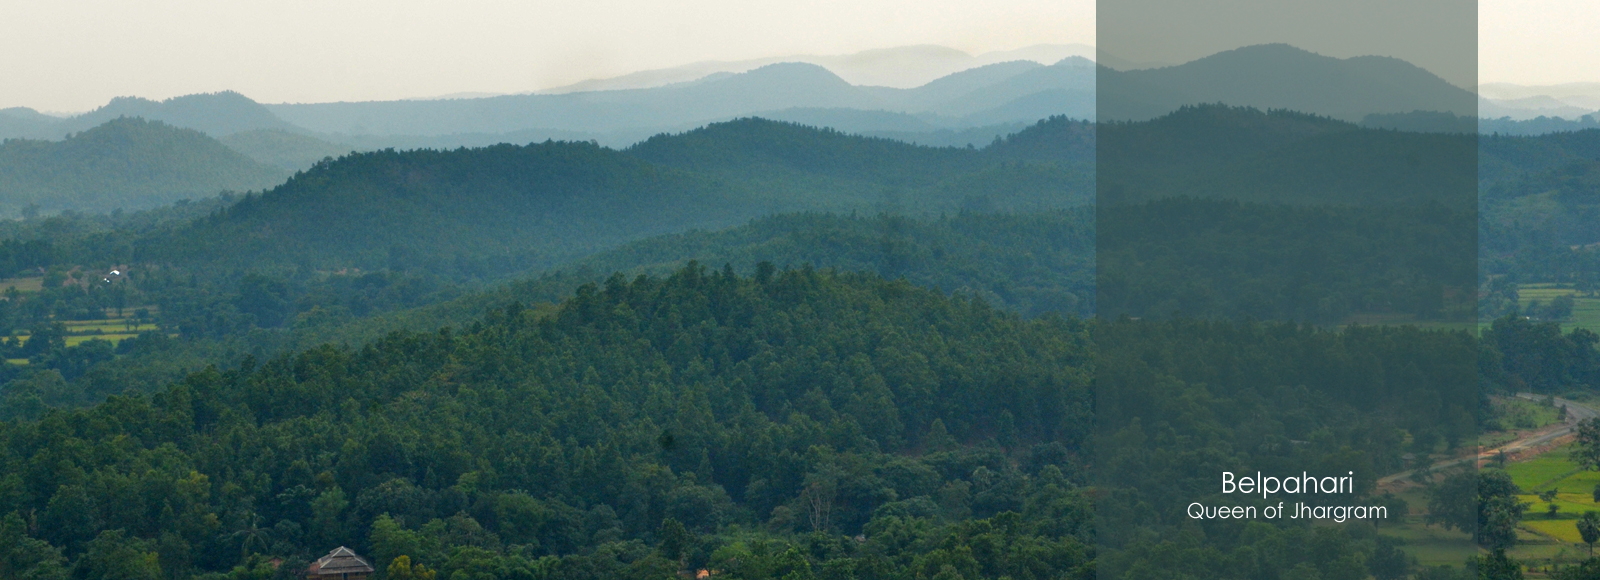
(1517, 413)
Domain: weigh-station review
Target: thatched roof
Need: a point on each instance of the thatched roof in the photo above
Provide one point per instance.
(339, 561)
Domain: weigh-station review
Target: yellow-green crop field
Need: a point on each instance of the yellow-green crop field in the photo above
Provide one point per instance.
(112, 330)
(1546, 540)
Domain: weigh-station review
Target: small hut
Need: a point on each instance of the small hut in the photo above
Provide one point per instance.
(340, 564)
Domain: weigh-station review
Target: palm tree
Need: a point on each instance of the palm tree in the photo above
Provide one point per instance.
(252, 534)
(1589, 528)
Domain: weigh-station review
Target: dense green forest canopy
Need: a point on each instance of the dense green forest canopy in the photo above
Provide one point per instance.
(380, 234)
(771, 417)
(828, 425)
(1179, 401)
(1033, 264)
(1325, 265)
(892, 393)
(260, 278)
(1539, 205)
(1281, 157)
(506, 208)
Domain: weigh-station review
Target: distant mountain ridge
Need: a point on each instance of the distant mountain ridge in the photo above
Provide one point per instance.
(971, 107)
(637, 113)
(1279, 76)
(898, 67)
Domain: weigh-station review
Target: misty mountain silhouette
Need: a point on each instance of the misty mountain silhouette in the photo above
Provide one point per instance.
(215, 114)
(1279, 76)
(969, 107)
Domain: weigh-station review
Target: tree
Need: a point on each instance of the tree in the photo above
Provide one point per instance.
(252, 537)
(1587, 455)
(402, 569)
(1549, 496)
(1498, 566)
(675, 539)
(1487, 501)
(1451, 502)
(25, 557)
(114, 556)
(1589, 528)
(1388, 562)
(1587, 570)
(1560, 308)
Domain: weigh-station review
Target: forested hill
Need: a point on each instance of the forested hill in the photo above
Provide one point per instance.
(1033, 264)
(791, 424)
(504, 208)
(125, 163)
(623, 435)
(1028, 171)
(1056, 139)
(507, 209)
(755, 144)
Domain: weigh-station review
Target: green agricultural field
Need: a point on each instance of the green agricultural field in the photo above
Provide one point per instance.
(1541, 472)
(1562, 528)
(1580, 483)
(24, 285)
(1585, 310)
(1432, 545)
(115, 325)
(111, 329)
(76, 340)
(1572, 505)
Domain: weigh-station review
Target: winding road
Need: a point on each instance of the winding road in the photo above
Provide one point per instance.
(1576, 413)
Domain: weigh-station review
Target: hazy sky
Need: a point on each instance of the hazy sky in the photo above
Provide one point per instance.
(72, 55)
(1537, 42)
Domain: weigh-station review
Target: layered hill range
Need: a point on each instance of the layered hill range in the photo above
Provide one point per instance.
(506, 208)
(970, 106)
(102, 165)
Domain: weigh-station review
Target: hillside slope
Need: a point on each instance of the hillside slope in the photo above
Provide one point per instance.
(124, 163)
(501, 208)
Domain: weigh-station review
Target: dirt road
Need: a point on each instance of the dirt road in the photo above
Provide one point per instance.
(1533, 443)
